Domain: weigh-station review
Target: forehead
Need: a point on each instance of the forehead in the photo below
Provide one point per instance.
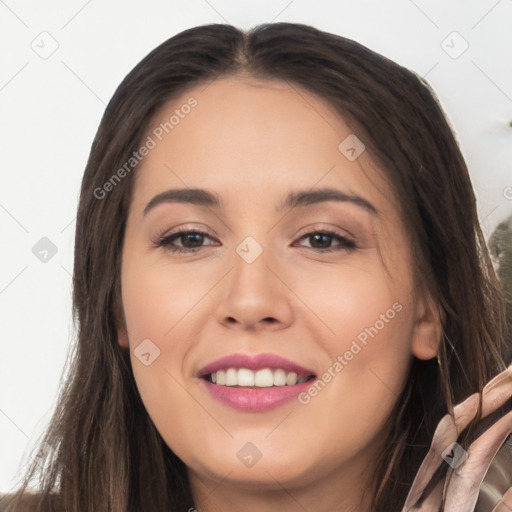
(251, 139)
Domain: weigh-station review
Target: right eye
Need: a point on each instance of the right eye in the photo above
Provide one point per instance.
(192, 237)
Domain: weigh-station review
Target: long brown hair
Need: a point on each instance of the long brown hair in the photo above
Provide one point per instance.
(106, 454)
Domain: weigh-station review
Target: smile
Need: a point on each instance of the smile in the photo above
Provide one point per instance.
(263, 378)
(255, 382)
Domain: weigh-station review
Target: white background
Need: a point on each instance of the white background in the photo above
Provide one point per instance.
(50, 109)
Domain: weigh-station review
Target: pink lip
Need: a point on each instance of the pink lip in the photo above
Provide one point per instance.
(254, 363)
(254, 398)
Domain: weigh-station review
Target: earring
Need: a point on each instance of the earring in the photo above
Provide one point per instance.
(438, 360)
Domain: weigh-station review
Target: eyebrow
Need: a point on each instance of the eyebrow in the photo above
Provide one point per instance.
(201, 197)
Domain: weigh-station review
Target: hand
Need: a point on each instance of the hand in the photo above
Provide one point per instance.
(463, 489)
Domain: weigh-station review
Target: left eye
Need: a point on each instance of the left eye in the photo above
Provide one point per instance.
(192, 241)
(321, 238)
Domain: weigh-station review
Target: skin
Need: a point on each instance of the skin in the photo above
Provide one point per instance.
(463, 489)
(252, 142)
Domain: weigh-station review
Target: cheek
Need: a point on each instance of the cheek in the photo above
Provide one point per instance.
(366, 328)
(157, 299)
(354, 301)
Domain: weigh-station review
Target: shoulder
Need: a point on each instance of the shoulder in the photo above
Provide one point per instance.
(30, 503)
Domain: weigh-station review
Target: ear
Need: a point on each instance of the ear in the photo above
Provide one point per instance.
(428, 328)
(122, 332)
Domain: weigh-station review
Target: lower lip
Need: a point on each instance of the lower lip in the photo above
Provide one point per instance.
(255, 399)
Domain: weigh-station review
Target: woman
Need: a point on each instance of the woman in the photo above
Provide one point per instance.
(281, 290)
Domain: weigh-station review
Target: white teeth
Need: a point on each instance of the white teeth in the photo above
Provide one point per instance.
(221, 378)
(231, 377)
(291, 379)
(263, 378)
(245, 377)
(279, 378)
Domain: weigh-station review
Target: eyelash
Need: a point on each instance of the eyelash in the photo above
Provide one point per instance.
(167, 240)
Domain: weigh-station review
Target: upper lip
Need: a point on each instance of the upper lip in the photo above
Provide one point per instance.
(254, 362)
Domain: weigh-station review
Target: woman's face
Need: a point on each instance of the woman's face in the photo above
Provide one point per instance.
(324, 283)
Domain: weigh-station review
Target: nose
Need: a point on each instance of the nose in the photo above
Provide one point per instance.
(255, 296)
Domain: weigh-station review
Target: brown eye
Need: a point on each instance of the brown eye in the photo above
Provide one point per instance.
(322, 241)
(191, 241)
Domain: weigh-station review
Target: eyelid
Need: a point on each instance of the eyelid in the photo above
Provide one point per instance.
(185, 228)
(307, 230)
(319, 227)
(164, 243)
(348, 243)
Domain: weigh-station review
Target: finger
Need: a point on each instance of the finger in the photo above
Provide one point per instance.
(505, 505)
(445, 433)
(466, 480)
(494, 395)
(431, 504)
